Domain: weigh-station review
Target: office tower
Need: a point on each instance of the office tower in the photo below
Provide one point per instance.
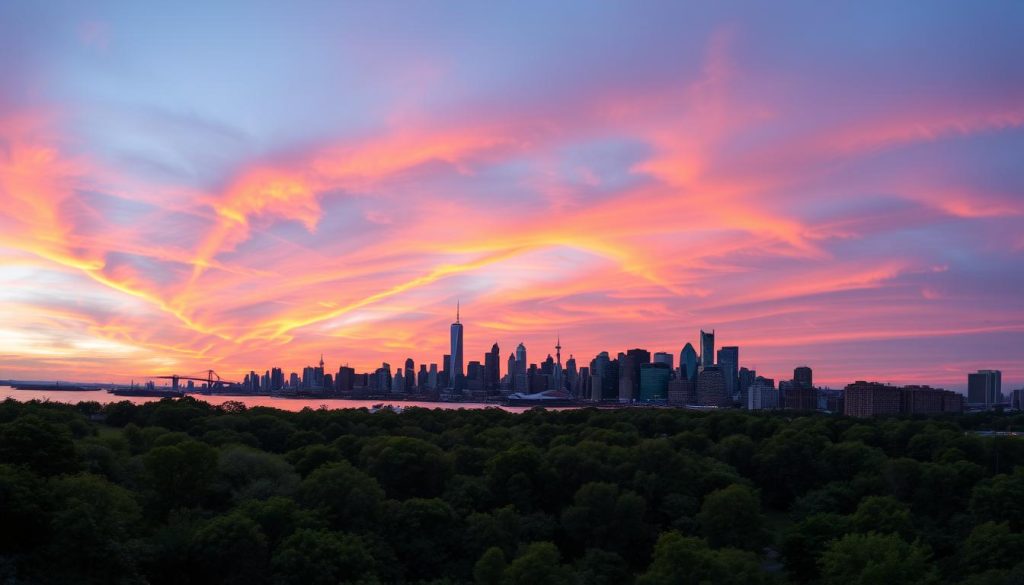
(688, 363)
(432, 377)
(604, 378)
(422, 377)
(746, 378)
(398, 382)
(583, 388)
(984, 388)
(654, 378)
(492, 368)
(276, 379)
(409, 376)
(384, 377)
(293, 380)
(711, 387)
(511, 370)
(521, 379)
(793, 396)
(866, 399)
(629, 373)
(707, 348)
(662, 357)
(682, 392)
(455, 370)
(729, 362)
(521, 358)
(571, 375)
(761, 394)
(345, 381)
(558, 382)
(474, 381)
(802, 376)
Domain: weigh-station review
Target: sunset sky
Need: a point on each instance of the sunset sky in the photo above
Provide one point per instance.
(187, 186)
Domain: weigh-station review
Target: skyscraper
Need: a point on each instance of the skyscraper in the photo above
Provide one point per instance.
(707, 348)
(455, 371)
(688, 363)
(409, 376)
(984, 388)
(803, 377)
(492, 368)
(629, 373)
(729, 362)
(520, 380)
(662, 357)
(711, 387)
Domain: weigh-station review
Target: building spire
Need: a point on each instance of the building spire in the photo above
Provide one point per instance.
(321, 359)
(457, 303)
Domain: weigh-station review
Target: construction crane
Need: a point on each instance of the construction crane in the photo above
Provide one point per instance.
(211, 379)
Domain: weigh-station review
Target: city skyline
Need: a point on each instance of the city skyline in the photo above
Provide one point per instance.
(213, 194)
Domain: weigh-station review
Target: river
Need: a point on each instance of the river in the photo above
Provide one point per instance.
(292, 404)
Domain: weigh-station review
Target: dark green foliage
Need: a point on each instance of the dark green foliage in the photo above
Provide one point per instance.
(182, 492)
(731, 517)
(869, 559)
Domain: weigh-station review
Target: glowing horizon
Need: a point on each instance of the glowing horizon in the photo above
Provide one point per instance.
(246, 186)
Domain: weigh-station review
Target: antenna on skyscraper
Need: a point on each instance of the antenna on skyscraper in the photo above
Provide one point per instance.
(457, 303)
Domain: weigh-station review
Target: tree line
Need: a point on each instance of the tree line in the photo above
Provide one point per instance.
(180, 491)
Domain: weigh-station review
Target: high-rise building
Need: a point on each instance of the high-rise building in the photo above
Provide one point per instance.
(409, 377)
(865, 399)
(803, 377)
(654, 378)
(572, 375)
(455, 369)
(711, 387)
(345, 380)
(662, 357)
(688, 363)
(422, 377)
(604, 378)
(707, 348)
(746, 378)
(761, 395)
(432, 377)
(521, 379)
(729, 362)
(984, 388)
(492, 368)
(510, 371)
(629, 373)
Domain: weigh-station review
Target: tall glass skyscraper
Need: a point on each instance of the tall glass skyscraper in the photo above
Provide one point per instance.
(455, 370)
(688, 363)
(707, 348)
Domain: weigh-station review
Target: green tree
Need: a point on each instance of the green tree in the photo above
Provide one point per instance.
(805, 541)
(869, 559)
(490, 568)
(43, 447)
(407, 467)
(539, 564)
(990, 545)
(601, 567)
(318, 557)
(180, 475)
(348, 498)
(92, 523)
(230, 549)
(731, 517)
(883, 514)
(680, 560)
(602, 516)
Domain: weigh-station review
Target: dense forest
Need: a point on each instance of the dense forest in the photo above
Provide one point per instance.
(180, 491)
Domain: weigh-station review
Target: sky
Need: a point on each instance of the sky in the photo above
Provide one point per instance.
(235, 186)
